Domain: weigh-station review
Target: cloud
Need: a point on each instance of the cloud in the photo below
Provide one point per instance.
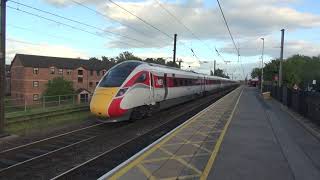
(253, 47)
(249, 18)
(20, 46)
(65, 3)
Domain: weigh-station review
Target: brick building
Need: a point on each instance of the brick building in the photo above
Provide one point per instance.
(8, 80)
(31, 73)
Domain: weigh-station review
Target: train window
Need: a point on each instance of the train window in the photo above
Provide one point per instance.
(118, 74)
(181, 82)
(175, 82)
(142, 78)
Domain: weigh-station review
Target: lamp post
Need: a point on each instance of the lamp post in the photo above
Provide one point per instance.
(262, 65)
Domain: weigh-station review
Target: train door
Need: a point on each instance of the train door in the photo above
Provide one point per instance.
(159, 90)
(152, 93)
(203, 84)
(165, 85)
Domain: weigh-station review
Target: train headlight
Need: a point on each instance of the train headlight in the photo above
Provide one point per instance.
(121, 92)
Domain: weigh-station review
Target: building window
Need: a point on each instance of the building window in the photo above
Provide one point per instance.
(98, 73)
(90, 84)
(80, 72)
(91, 72)
(103, 72)
(69, 71)
(52, 70)
(60, 71)
(36, 97)
(97, 83)
(35, 70)
(35, 83)
(80, 79)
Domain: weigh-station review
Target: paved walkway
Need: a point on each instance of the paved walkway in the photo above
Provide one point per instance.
(240, 137)
(265, 142)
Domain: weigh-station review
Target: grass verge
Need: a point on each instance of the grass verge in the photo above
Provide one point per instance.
(42, 110)
(45, 125)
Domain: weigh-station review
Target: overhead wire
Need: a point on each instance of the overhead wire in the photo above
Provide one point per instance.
(24, 42)
(141, 19)
(39, 32)
(105, 16)
(226, 23)
(42, 33)
(180, 22)
(230, 34)
(76, 21)
(64, 24)
(132, 14)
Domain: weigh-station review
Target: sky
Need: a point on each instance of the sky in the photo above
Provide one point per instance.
(95, 28)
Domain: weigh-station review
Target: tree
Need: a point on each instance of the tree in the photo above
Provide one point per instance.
(297, 69)
(220, 73)
(58, 86)
(108, 61)
(94, 59)
(127, 56)
(256, 73)
(172, 64)
(156, 61)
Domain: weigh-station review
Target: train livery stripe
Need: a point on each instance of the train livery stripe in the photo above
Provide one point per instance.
(115, 109)
(101, 100)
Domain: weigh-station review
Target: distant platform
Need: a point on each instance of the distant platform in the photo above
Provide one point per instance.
(241, 136)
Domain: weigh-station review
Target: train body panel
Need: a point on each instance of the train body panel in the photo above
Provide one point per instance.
(131, 85)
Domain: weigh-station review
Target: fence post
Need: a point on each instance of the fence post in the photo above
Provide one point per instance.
(59, 100)
(25, 105)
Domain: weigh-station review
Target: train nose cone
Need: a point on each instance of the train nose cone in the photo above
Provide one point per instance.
(101, 100)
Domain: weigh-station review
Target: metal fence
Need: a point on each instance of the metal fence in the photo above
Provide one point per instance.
(45, 103)
(303, 102)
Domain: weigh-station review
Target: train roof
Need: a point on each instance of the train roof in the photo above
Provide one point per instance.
(177, 69)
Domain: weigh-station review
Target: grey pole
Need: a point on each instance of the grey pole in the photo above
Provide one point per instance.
(174, 48)
(214, 67)
(281, 58)
(262, 65)
(2, 62)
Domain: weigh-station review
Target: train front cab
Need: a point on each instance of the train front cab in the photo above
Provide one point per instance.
(108, 94)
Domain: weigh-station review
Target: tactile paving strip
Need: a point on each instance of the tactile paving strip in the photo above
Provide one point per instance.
(185, 153)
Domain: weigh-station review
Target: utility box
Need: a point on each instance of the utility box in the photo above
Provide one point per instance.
(266, 95)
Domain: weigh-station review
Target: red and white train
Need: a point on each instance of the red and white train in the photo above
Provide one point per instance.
(132, 89)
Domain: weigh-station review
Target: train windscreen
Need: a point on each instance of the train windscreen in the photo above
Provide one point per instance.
(117, 75)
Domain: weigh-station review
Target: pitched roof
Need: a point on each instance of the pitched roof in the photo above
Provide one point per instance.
(61, 62)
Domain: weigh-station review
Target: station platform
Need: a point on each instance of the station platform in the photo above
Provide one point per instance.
(241, 136)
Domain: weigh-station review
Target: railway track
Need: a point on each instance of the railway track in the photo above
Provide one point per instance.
(90, 152)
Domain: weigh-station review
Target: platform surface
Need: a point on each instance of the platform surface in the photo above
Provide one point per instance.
(241, 136)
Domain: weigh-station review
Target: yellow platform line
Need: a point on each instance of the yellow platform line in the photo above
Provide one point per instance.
(165, 158)
(214, 154)
(177, 158)
(182, 177)
(194, 144)
(146, 172)
(140, 158)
